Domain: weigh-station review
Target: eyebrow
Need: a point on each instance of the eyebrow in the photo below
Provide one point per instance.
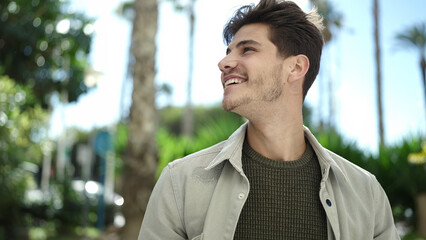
(242, 43)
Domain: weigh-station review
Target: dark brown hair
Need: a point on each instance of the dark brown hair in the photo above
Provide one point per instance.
(291, 30)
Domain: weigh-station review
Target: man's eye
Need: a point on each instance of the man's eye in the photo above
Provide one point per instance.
(247, 49)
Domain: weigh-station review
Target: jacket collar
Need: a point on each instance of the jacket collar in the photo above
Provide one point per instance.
(232, 151)
(324, 158)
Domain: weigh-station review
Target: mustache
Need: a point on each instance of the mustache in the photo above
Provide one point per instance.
(236, 71)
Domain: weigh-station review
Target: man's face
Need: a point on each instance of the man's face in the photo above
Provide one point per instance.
(252, 70)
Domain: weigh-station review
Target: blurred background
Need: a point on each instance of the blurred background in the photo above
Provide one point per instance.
(96, 97)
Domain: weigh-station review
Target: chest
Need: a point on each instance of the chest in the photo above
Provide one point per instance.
(283, 203)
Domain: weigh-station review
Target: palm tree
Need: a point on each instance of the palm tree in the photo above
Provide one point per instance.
(378, 72)
(188, 117)
(332, 20)
(140, 162)
(188, 7)
(415, 37)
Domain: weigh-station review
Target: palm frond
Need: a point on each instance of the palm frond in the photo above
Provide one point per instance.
(413, 37)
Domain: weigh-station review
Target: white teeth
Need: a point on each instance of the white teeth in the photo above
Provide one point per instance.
(233, 80)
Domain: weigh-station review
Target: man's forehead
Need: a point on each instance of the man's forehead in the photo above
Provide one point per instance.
(251, 33)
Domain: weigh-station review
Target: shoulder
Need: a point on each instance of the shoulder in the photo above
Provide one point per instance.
(200, 159)
(342, 168)
(364, 199)
(353, 180)
(206, 165)
(349, 169)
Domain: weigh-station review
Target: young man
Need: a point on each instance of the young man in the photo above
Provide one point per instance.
(271, 179)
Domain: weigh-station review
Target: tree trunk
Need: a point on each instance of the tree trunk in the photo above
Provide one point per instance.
(188, 117)
(421, 213)
(140, 162)
(378, 73)
(423, 67)
(323, 7)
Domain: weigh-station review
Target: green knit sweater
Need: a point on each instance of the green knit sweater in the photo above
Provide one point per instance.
(284, 198)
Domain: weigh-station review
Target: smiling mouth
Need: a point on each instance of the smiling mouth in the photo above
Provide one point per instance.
(233, 81)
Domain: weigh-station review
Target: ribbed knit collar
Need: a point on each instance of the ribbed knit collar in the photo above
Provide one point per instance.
(249, 152)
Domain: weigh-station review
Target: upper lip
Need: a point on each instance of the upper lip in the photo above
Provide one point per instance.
(232, 76)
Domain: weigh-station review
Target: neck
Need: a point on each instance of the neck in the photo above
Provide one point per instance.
(278, 136)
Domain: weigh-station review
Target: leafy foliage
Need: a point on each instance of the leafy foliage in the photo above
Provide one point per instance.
(44, 47)
(334, 141)
(401, 179)
(171, 117)
(21, 129)
(173, 147)
(21, 134)
(22, 142)
(414, 37)
(212, 126)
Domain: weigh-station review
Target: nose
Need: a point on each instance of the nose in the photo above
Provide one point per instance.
(227, 64)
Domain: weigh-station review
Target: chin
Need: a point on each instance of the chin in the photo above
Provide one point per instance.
(227, 107)
(233, 103)
(230, 105)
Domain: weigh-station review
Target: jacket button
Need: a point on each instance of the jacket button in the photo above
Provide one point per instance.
(241, 196)
(328, 202)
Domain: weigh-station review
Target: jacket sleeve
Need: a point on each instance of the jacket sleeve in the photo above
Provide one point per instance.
(384, 228)
(162, 218)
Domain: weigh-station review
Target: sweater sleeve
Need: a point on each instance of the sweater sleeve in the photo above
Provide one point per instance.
(162, 219)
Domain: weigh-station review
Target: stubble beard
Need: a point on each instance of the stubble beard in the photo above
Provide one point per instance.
(269, 93)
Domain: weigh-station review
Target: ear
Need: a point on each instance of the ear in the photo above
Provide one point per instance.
(298, 67)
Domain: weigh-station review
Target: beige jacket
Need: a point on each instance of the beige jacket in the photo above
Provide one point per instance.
(201, 196)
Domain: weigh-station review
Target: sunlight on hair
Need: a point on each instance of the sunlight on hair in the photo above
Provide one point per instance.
(314, 17)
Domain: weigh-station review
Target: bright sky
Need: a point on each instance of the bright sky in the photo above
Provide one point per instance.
(348, 61)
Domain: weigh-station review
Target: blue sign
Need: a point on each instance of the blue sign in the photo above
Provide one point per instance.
(102, 143)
